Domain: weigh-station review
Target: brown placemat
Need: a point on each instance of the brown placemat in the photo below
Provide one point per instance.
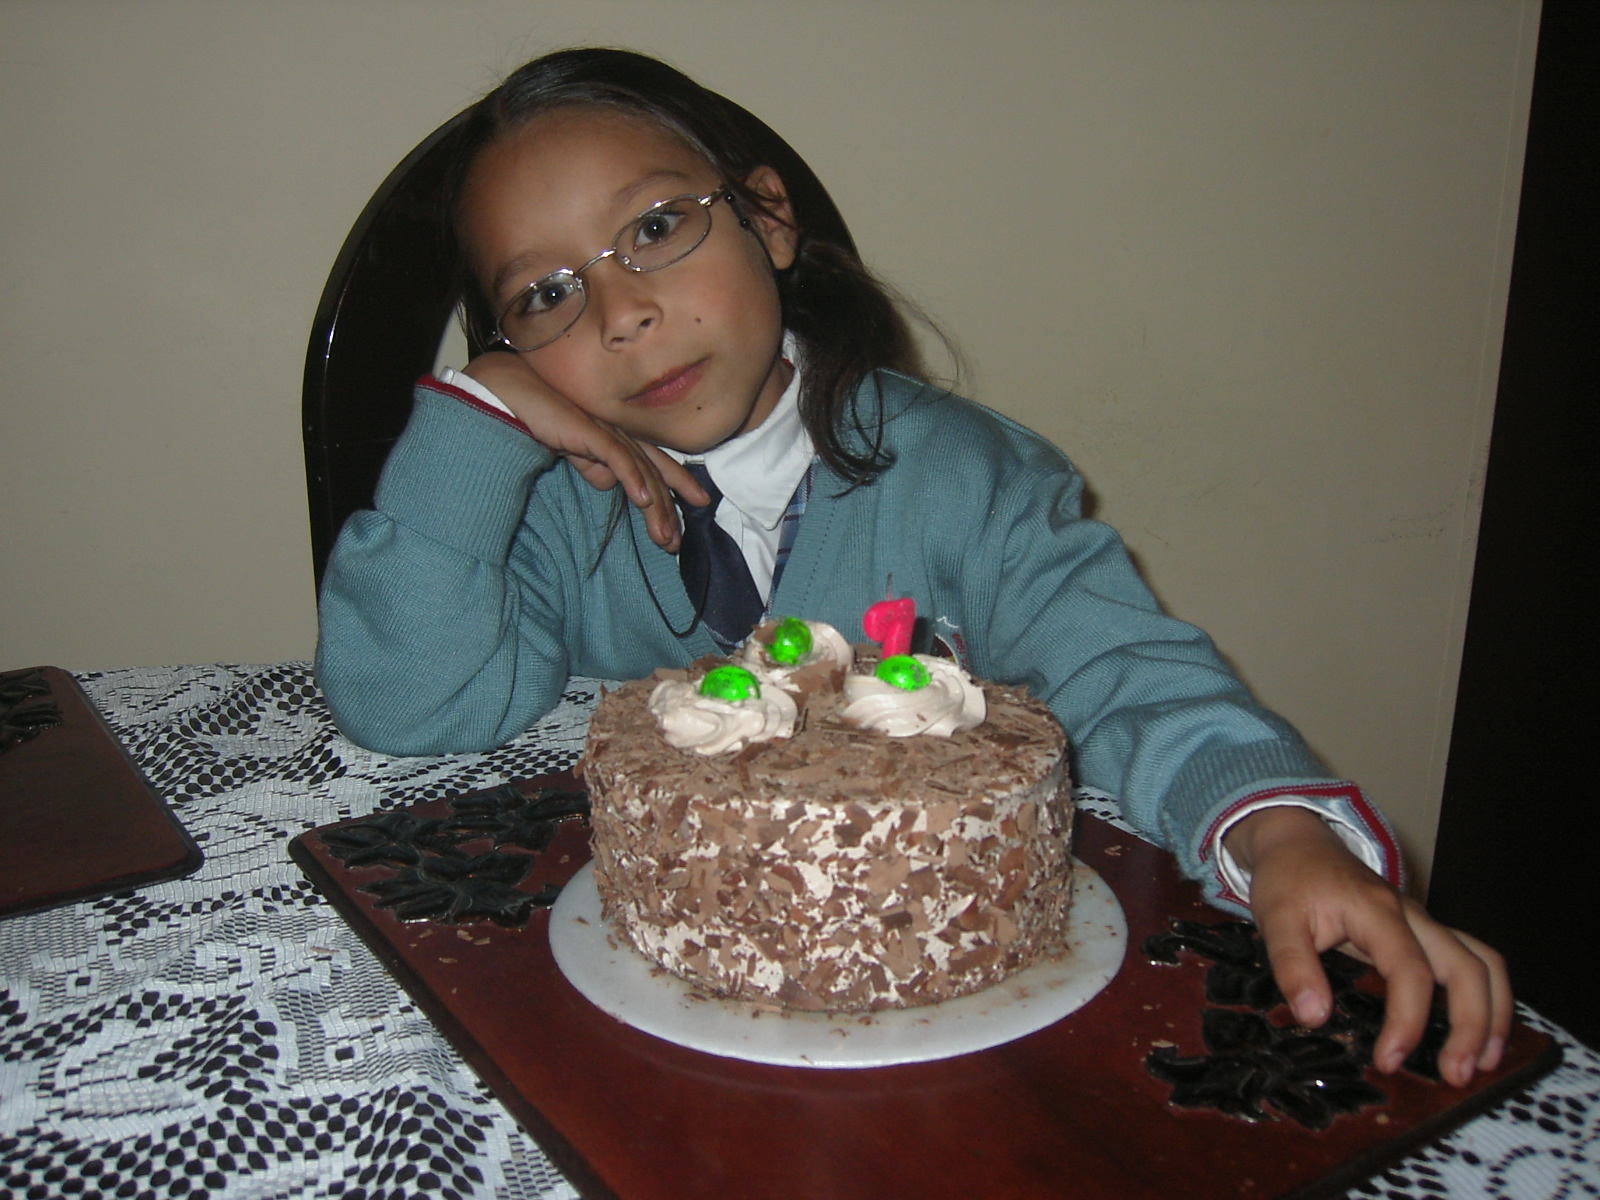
(77, 818)
(1067, 1111)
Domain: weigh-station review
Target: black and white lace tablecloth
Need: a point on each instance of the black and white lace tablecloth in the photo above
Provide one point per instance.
(226, 1035)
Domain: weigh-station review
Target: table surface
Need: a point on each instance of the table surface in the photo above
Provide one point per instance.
(228, 1035)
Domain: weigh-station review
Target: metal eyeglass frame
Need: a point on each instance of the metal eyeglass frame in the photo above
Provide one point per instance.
(574, 276)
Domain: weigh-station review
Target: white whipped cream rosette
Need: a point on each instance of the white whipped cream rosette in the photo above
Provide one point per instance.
(827, 646)
(950, 701)
(709, 726)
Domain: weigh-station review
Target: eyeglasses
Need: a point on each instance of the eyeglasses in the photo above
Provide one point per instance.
(661, 235)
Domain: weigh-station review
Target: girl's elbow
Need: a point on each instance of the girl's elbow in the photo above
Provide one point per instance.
(408, 734)
(378, 717)
(403, 720)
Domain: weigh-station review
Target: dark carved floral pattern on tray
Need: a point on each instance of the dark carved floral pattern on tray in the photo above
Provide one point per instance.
(21, 720)
(1310, 1076)
(433, 877)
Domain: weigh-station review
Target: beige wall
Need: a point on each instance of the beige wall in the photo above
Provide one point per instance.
(1245, 260)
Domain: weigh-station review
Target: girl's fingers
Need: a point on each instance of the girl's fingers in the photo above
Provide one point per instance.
(1478, 994)
(1368, 921)
(1405, 970)
(655, 488)
(1503, 1004)
(1374, 927)
(595, 473)
(642, 478)
(677, 477)
(663, 513)
(1296, 966)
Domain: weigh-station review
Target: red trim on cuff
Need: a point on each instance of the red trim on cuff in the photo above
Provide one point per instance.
(435, 384)
(1376, 828)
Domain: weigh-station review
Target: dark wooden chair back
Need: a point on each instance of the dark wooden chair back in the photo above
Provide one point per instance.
(378, 326)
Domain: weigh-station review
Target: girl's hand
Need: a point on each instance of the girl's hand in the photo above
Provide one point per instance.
(1310, 894)
(598, 450)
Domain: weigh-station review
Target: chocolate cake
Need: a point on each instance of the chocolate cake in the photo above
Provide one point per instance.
(834, 868)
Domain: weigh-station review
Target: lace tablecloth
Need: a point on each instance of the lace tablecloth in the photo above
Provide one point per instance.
(226, 1035)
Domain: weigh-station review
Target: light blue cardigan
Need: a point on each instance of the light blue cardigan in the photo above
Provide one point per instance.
(454, 613)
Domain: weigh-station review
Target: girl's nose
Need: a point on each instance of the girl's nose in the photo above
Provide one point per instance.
(625, 303)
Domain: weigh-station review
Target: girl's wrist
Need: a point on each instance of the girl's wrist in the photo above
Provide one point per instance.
(1256, 836)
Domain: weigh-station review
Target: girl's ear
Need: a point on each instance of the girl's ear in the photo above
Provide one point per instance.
(773, 221)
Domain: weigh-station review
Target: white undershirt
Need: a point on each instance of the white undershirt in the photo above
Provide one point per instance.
(758, 472)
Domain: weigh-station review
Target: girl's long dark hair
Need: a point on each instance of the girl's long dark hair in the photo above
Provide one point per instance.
(847, 322)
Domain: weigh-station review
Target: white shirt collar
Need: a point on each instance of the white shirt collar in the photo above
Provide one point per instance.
(758, 471)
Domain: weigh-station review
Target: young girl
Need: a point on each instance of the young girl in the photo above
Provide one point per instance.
(667, 283)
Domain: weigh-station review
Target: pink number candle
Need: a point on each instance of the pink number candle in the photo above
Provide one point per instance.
(889, 622)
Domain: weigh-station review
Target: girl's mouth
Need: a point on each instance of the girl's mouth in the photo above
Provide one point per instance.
(670, 388)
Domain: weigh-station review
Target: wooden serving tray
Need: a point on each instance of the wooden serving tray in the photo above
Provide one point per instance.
(1067, 1111)
(77, 818)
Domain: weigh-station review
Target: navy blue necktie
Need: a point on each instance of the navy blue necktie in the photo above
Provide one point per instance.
(714, 571)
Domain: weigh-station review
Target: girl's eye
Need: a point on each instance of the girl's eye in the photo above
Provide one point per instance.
(545, 296)
(655, 228)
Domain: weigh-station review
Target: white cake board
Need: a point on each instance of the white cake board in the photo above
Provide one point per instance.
(614, 977)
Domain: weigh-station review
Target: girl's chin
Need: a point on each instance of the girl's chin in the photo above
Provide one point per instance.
(694, 447)
(695, 437)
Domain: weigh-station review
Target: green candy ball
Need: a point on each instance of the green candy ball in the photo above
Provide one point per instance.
(791, 641)
(730, 683)
(904, 672)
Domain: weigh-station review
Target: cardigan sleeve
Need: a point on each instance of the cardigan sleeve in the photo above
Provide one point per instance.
(428, 642)
(1154, 714)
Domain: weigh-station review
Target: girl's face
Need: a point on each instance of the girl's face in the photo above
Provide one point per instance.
(686, 356)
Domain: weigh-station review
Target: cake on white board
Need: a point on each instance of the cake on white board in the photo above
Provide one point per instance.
(831, 831)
